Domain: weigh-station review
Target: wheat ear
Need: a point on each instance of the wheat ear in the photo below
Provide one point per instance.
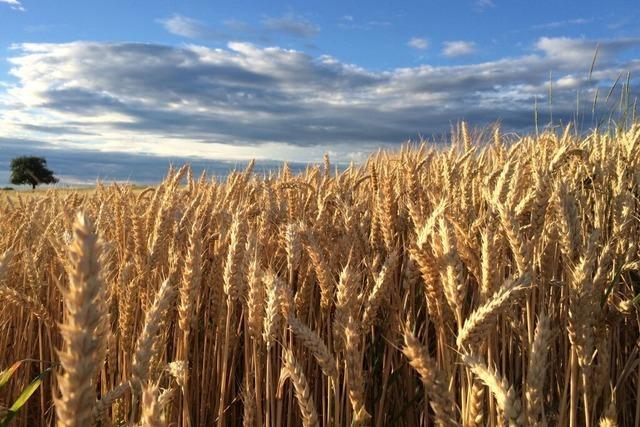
(150, 332)
(293, 371)
(484, 317)
(83, 329)
(537, 370)
(440, 398)
(505, 395)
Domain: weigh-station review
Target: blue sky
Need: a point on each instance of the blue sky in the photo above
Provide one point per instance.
(291, 80)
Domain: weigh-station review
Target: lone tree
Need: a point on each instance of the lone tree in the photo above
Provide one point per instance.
(31, 170)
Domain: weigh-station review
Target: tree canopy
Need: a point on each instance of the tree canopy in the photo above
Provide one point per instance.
(31, 170)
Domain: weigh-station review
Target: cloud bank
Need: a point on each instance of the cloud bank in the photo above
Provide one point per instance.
(246, 101)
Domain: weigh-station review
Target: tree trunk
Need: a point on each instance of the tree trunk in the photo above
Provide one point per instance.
(33, 186)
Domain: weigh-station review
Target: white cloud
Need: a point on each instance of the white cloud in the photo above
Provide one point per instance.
(566, 48)
(247, 101)
(348, 22)
(189, 27)
(560, 24)
(458, 48)
(580, 52)
(15, 4)
(418, 43)
(484, 4)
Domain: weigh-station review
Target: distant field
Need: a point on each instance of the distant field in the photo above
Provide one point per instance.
(490, 282)
(44, 191)
(15, 196)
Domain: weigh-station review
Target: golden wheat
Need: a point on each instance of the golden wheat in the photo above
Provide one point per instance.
(515, 262)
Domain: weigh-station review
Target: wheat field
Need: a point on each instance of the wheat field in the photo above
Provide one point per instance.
(491, 281)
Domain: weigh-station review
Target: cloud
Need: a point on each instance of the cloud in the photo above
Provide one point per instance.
(580, 52)
(378, 24)
(244, 101)
(289, 25)
(564, 23)
(14, 4)
(191, 28)
(418, 43)
(238, 25)
(292, 25)
(484, 4)
(348, 22)
(458, 48)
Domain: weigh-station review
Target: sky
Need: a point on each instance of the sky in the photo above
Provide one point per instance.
(119, 89)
